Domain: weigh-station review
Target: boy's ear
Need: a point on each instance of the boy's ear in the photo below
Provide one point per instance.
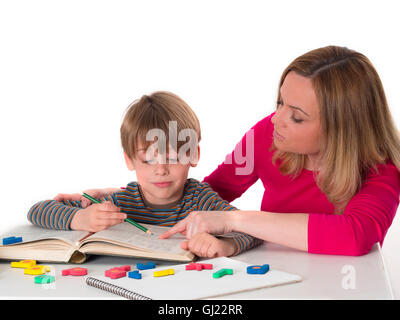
(197, 159)
(129, 162)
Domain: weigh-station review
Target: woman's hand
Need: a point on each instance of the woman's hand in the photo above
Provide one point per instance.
(97, 217)
(212, 222)
(95, 193)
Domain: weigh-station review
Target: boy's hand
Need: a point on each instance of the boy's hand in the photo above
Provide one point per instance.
(95, 193)
(206, 245)
(97, 217)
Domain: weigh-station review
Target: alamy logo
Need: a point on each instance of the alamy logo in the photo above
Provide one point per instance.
(349, 279)
(188, 152)
(158, 150)
(247, 158)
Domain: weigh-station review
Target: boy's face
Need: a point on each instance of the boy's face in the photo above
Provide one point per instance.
(161, 177)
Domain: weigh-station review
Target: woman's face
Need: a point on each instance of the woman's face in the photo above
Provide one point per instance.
(296, 121)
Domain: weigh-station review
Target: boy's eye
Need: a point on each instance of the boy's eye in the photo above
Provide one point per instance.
(169, 160)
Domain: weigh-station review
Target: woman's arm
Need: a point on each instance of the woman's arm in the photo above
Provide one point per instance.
(288, 229)
(365, 221)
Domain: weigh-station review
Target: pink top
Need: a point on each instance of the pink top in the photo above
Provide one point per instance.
(366, 218)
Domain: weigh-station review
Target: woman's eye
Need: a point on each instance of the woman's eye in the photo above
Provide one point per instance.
(279, 104)
(296, 120)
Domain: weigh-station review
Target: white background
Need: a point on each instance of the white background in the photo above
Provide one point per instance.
(68, 70)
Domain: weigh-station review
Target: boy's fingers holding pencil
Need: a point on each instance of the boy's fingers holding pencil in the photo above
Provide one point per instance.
(109, 211)
(96, 217)
(112, 215)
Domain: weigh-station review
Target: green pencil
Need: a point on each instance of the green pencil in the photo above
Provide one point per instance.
(137, 225)
(90, 198)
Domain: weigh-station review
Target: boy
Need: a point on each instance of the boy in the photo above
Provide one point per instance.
(159, 135)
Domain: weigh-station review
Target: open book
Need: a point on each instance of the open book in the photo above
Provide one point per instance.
(73, 246)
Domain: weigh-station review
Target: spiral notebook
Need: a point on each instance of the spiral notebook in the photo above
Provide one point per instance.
(188, 285)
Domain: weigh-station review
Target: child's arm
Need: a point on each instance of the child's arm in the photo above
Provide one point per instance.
(52, 214)
(232, 243)
(69, 215)
(206, 245)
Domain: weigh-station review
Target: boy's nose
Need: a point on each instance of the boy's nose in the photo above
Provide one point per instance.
(161, 169)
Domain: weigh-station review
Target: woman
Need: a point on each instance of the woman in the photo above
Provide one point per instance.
(329, 159)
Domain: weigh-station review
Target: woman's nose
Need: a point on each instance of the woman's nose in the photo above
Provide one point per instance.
(278, 118)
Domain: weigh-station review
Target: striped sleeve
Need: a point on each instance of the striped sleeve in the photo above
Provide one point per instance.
(52, 214)
(111, 198)
(56, 215)
(211, 201)
(242, 241)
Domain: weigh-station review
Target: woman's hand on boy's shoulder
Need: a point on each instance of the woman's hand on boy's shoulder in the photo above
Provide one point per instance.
(73, 197)
(95, 193)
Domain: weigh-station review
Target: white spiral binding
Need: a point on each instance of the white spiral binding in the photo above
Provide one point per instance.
(114, 289)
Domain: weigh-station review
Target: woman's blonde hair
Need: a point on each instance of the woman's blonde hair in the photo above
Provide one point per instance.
(357, 128)
(157, 111)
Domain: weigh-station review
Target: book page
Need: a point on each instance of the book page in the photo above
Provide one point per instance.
(30, 232)
(128, 235)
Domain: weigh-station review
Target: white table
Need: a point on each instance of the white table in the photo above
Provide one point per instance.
(324, 277)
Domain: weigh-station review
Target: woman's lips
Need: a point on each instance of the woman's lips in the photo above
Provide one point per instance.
(162, 184)
(277, 135)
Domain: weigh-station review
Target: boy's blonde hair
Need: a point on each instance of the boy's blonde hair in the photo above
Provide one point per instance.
(156, 111)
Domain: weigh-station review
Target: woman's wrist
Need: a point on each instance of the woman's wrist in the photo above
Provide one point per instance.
(234, 221)
(288, 229)
(247, 221)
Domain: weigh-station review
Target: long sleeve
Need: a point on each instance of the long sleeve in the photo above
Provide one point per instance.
(237, 173)
(366, 218)
(210, 201)
(52, 214)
